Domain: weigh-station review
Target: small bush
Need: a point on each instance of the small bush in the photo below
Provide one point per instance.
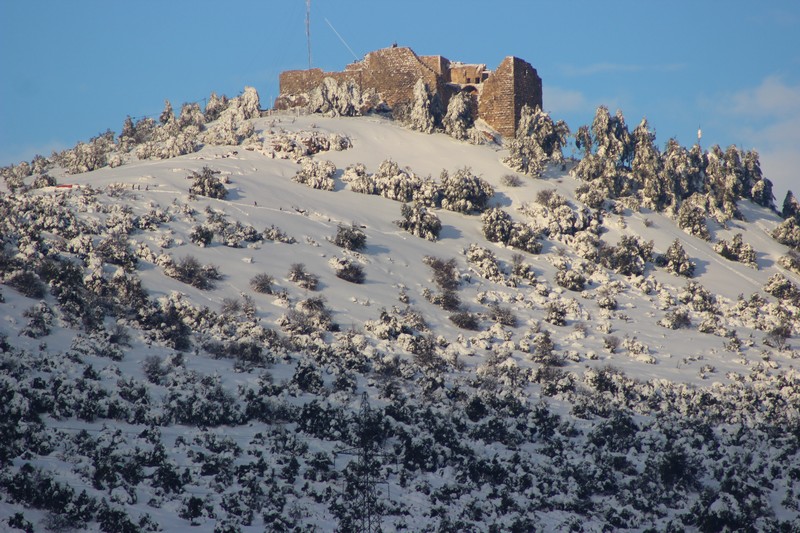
(571, 280)
(465, 320)
(262, 283)
(190, 271)
(502, 315)
(511, 180)
(348, 270)
(445, 274)
(317, 175)
(350, 237)
(611, 343)
(676, 319)
(201, 235)
(306, 280)
(550, 198)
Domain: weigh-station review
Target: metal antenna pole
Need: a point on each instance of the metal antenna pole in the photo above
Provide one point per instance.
(308, 30)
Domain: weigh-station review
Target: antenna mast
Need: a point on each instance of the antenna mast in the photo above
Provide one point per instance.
(308, 30)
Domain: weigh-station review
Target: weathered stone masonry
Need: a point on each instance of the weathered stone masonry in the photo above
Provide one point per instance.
(393, 72)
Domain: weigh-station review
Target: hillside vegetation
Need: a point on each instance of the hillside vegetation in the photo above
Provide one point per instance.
(299, 322)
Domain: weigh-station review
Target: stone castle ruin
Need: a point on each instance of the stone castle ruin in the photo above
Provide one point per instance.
(391, 73)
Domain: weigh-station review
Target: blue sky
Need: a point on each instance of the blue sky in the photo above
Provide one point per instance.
(71, 70)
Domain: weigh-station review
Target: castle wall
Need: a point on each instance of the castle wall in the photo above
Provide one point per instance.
(511, 86)
(393, 72)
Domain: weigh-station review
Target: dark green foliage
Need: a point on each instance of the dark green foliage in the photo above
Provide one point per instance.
(350, 237)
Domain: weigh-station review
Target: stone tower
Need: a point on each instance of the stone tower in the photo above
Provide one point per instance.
(513, 85)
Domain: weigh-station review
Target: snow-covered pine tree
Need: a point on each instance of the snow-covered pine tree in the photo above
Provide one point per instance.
(676, 260)
(791, 207)
(646, 169)
(538, 140)
(215, 106)
(460, 116)
(421, 117)
(167, 115)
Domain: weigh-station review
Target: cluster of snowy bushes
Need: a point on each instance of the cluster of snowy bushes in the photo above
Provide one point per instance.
(297, 145)
(224, 122)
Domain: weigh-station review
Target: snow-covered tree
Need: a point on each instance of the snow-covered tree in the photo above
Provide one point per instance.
(646, 169)
(676, 260)
(460, 116)
(464, 192)
(316, 174)
(167, 115)
(206, 183)
(420, 117)
(419, 221)
(692, 217)
(791, 206)
(215, 106)
(538, 140)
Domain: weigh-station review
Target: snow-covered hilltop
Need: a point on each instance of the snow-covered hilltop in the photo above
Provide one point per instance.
(296, 322)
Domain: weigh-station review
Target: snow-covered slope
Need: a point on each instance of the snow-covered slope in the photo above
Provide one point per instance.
(557, 409)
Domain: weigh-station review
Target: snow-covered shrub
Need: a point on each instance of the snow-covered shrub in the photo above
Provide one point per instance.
(788, 233)
(197, 400)
(347, 270)
(629, 257)
(464, 192)
(43, 180)
(676, 260)
(116, 249)
(550, 198)
(590, 195)
(791, 261)
(780, 287)
(737, 250)
(201, 235)
(445, 273)
(350, 237)
(309, 316)
(556, 313)
(676, 319)
(419, 221)
(570, 279)
(306, 280)
(499, 227)
(354, 172)
(190, 271)
(502, 315)
(511, 180)
(40, 321)
(447, 299)
(465, 320)
(611, 343)
(698, 298)
(206, 183)
(274, 233)
(316, 174)
(394, 183)
(262, 283)
(460, 116)
(485, 263)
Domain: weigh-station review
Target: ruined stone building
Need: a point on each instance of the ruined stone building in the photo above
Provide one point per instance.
(393, 72)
